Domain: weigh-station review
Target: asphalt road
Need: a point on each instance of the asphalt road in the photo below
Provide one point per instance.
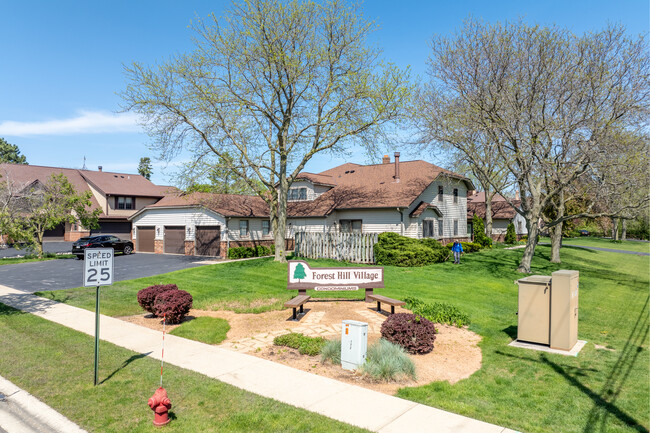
(68, 273)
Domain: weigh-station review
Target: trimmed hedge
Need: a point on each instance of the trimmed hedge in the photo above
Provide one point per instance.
(396, 250)
(246, 252)
(414, 333)
(438, 312)
(173, 305)
(147, 297)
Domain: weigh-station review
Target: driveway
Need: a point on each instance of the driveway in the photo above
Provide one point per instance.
(48, 247)
(67, 273)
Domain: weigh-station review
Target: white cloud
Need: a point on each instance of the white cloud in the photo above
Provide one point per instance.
(86, 122)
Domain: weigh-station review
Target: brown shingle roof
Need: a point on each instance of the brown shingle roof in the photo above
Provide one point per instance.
(373, 186)
(319, 179)
(501, 209)
(23, 175)
(224, 204)
(121, 184)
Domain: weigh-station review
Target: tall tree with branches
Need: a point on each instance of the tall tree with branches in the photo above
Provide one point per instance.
(547, 100)
(271, 84)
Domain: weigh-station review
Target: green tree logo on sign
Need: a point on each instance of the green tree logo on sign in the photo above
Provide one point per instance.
(299, 272)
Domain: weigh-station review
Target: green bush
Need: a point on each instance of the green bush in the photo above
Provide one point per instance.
(468, 247)
(438, 312)
(331, 351)
(389, 362)
(305, 345)
(479, 232)
(246, 252)
(396, 250)
(511, 234)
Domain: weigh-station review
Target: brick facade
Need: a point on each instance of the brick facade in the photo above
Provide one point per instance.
(189, 248)
(74, 236)
(158, 246)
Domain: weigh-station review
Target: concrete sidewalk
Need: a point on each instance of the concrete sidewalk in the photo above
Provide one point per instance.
(341, 401)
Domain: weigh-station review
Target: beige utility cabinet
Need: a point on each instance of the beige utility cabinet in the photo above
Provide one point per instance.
(534, 309)
(564, 309)
(548, 309)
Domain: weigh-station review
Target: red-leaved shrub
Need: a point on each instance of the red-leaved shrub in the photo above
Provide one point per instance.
(414, 333)
(146, 297)
(173, 305)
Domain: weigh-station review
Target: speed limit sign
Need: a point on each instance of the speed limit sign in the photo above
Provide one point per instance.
(98, 269)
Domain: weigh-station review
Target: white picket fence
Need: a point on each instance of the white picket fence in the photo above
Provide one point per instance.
(349, 247)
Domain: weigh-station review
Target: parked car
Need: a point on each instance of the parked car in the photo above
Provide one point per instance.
(584, 232)
(103, 241)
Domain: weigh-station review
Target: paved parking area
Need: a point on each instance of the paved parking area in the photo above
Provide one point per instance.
(48, 247)
(67, 273)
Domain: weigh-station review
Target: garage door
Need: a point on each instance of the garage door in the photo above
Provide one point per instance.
(145, 239)
(174, 239)
(56, 234)
(208, 240)
(120, 229)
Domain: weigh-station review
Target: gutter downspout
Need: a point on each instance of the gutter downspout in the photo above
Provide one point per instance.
(401, 221)
(227, 236)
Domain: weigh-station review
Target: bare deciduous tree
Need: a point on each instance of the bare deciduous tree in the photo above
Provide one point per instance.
(271, 84)
(549, 101)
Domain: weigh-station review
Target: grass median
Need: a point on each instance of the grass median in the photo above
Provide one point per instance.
(55, 364)
(605, 388)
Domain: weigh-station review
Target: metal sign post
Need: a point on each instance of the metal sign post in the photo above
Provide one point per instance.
(98, 271)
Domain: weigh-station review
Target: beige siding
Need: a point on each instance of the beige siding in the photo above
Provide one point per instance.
(313, 191)
(254, 230)
(101, 199)
(188, 217)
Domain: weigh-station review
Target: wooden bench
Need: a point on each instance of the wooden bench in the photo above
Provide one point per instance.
(386, 300)
(296, 302)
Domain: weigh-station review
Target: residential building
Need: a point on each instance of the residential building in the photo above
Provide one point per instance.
(412, 198)
(502, 215)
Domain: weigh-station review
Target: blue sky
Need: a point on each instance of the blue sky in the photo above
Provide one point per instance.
(62, 64)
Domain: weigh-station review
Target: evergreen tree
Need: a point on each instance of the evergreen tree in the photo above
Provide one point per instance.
(479, 232)
(144, 169)
(10, 153)
(299, 272)
(511, 236)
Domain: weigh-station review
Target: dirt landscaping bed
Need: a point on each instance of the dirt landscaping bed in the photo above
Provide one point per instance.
(455, 356)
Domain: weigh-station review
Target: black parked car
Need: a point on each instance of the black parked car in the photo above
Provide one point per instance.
(103, 241)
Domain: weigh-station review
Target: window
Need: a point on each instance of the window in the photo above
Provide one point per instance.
(455, 195)
(350, 226)
(243, 228)
(440, 192)
(266, 227)
(440, 227)
(427, 229)
(297, 194)
(455, 227)
(125, 202)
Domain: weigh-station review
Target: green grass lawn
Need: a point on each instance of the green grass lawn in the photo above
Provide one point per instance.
(210, 330)
(55, 364)
(636, 246)
(599, 391)
(16, 260)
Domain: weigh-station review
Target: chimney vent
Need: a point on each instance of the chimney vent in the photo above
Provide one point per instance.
(396, 166)
(517, 195)
(99, 168)
(386, 159)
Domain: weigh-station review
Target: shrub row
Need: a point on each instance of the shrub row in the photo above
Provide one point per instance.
(396, 250)
(165, 300)
(479, 232)
(414, 333)
(438, 312)
(305, 345)
(246, 252)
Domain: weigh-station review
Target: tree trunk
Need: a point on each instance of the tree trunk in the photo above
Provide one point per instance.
(39, 245)
(556, 242)
(615, 233)
(488, 214)
(623, 229)
(280, 229)
(531, 243)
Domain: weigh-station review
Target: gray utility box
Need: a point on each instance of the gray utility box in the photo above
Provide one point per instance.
(548, 309)
(354, 344)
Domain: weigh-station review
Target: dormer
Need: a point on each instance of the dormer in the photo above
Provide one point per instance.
(309, 186)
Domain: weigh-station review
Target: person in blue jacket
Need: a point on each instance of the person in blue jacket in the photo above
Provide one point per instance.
(457, 248)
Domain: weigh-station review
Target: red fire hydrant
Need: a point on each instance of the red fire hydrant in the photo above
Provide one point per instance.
(160, 404)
